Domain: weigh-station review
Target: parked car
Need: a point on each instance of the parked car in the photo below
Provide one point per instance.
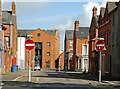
(37, 67)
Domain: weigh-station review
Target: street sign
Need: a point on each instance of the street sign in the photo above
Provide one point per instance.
(29, 44)
(100, 45)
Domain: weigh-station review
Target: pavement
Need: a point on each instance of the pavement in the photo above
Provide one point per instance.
(12, 76)
(53, 77)
(92, 79)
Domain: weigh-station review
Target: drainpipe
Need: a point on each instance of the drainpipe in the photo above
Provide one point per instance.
(10, 34)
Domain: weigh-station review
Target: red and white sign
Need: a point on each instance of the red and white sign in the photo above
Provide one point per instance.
(100, 45)
(29, 44)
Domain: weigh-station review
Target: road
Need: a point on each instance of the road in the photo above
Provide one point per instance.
(54, 80)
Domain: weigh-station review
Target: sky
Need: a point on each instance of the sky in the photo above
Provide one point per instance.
(54, 14)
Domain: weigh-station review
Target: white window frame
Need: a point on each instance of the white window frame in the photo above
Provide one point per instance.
(82, 49)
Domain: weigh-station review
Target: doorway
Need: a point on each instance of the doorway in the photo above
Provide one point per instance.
(38, 53)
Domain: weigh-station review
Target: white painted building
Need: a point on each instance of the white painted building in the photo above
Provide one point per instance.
(21, 53)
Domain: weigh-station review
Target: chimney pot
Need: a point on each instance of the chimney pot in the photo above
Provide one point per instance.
(94, 11)
(13, 8)
(76, 25)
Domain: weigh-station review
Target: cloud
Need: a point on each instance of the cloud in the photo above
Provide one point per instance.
(83, 18)
(62, 28)
(47, 0)
(113, 0)
(88, 9)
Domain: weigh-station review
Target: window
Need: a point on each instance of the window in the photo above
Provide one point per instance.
(85, 61)
(38, 34)
(7, 39)
(38, 45)
(84, 50)
(48, 54)
(48, 43)
(71, 43)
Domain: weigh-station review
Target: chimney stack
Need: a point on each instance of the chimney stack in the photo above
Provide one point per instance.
(94, 11)
(76, 25)
(13, 8)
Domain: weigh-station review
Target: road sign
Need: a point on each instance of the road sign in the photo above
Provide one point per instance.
(100, 45)
(29, 44)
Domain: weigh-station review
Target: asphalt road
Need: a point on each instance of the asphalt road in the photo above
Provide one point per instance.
(57, 87)
(54, 80)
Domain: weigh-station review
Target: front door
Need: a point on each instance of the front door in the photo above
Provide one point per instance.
(38, 53)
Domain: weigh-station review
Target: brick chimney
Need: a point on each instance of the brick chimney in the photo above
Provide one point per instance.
(13, 8)
(74, 45)
(76, 25)
(94, 11)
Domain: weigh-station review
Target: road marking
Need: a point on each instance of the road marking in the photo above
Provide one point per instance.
(17, 78)
(37, 79)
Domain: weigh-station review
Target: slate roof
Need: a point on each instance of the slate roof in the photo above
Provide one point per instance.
(25, 32)
(7, 17)
(69, 34)
(102, 11)
(83, 32)
(111, 6)
(50, 32)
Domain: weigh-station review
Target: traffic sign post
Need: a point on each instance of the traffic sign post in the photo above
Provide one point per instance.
(29, 45)
(100, 45)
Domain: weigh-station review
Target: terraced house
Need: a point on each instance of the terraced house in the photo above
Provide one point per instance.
(93, 31)
(76, 48)
(10, 37)
(115, 42)
(103, 25)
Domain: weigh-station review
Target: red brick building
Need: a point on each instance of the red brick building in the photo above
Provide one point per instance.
(47, 47)
(104, 32)
(93, 54)
(10, 37)
(104, 21)
(76, 48)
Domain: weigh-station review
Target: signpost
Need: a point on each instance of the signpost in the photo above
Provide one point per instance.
(100, 45)
(29, 45)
